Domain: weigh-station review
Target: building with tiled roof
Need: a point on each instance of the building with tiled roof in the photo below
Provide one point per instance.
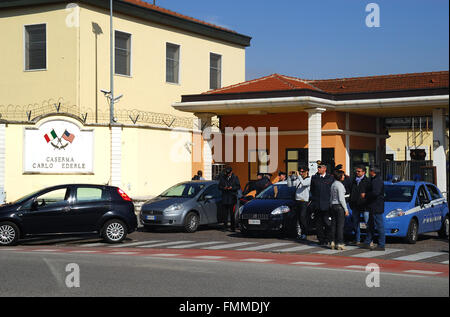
(56, 73)
(339, 121)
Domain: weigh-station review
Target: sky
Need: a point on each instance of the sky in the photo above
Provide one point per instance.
(320, 39)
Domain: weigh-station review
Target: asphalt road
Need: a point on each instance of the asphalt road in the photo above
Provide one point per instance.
(40, 274)
(429, 244)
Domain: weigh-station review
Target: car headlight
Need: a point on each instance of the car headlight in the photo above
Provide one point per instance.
(395, 213)
(281, 210)
(173, 209)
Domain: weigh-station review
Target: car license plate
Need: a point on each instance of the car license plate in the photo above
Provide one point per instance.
(363, 225)
(150, 217)
(254, 222)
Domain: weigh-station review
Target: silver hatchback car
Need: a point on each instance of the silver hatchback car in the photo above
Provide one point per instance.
(187, 205)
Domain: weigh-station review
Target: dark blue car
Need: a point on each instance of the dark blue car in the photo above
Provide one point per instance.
(271, 210)
(69, 209)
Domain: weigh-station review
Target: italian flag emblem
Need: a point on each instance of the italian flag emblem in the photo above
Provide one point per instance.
(50, 136)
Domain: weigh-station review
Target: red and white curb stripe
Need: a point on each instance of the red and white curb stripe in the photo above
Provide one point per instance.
(299, 260)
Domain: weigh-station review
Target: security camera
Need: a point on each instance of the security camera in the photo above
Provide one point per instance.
(106, 92)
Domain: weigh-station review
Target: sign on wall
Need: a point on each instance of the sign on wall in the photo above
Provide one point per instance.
(58, 147)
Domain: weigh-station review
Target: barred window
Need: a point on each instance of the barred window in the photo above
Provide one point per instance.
(35, 47)
(122, 45)
(172, 63)
(215, 71)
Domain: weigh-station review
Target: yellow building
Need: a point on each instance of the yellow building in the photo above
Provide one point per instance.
(411, 138)
(54, 107)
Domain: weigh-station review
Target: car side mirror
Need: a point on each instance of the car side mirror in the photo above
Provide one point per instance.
(34, 205)
(208, 197)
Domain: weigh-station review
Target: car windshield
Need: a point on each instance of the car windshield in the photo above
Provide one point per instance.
(187, 190)
(277, 192)
(398, 193)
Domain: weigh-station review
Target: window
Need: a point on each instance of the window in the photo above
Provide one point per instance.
(215, 71)
(53, 198)
(433, 192)
(35, 47)
(296, 158)
(361, 157)
(123, 53)
(172, 63)
(85, 194)
(422, 196)
(214, 191)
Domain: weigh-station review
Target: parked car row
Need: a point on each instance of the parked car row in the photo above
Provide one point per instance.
(411, 208)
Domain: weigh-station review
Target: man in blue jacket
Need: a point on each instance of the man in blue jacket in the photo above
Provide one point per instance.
(375, 199)
(320, 196)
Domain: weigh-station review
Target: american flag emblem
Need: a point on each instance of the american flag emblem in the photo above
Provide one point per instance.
(68, 136)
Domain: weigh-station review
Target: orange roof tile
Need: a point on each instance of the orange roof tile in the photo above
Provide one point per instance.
(166, 11)
(276, 82)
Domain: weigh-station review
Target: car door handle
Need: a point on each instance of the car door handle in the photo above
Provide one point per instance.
(66, 209)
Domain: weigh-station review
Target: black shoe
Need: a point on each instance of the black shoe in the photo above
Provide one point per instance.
(378, 248)
(365, 246)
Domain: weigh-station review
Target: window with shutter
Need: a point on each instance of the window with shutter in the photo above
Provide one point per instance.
(172, 63)
(35, 47)
(122, 56)
(215, 71)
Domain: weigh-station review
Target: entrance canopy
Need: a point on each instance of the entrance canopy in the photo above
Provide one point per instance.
(344, 107)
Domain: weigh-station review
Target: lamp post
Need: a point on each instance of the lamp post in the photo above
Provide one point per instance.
(111, 43)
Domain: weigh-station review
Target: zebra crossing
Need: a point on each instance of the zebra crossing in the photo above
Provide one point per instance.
(282, 247)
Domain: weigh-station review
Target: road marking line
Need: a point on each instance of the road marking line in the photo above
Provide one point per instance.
(264, 246)
(164, 244)
(195, 245)
(123, 253)
(300, 248)
(46, 250)
(307, 263)
(445, 262)
(210, 257)
(419, 256)
(84, 251)
(133, 244)
(94, 244)
(11, 249)
(361, 267)
(422, 272)
(373, 254)
(228, 246)
(163, 254)
(347, 248)
(257, 260)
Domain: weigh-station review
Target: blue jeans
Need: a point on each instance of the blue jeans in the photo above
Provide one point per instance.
(356, 214)
(376, 221)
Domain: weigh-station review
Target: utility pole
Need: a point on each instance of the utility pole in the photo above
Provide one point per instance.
(111, 104)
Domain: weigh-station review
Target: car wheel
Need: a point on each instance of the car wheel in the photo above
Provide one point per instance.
(413, 232)
(9, 233)
(443, 233)
(191, 222)
(114, 231)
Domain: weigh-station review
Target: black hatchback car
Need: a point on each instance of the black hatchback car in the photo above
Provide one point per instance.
(69, 209)
(271, 210)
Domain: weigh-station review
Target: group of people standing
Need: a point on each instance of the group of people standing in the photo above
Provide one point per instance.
(327, 195)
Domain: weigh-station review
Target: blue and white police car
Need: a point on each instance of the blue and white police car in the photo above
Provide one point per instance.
(413, 208)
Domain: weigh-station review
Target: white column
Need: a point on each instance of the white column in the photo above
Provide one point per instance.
(347, 144)
(2, 162)
(204, 122)
(439, 145)
(116, 156)
(314, 135)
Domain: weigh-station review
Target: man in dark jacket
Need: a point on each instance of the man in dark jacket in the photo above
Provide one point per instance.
(229, 185)
(375, 199)
(320, 198)
(358, 200)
